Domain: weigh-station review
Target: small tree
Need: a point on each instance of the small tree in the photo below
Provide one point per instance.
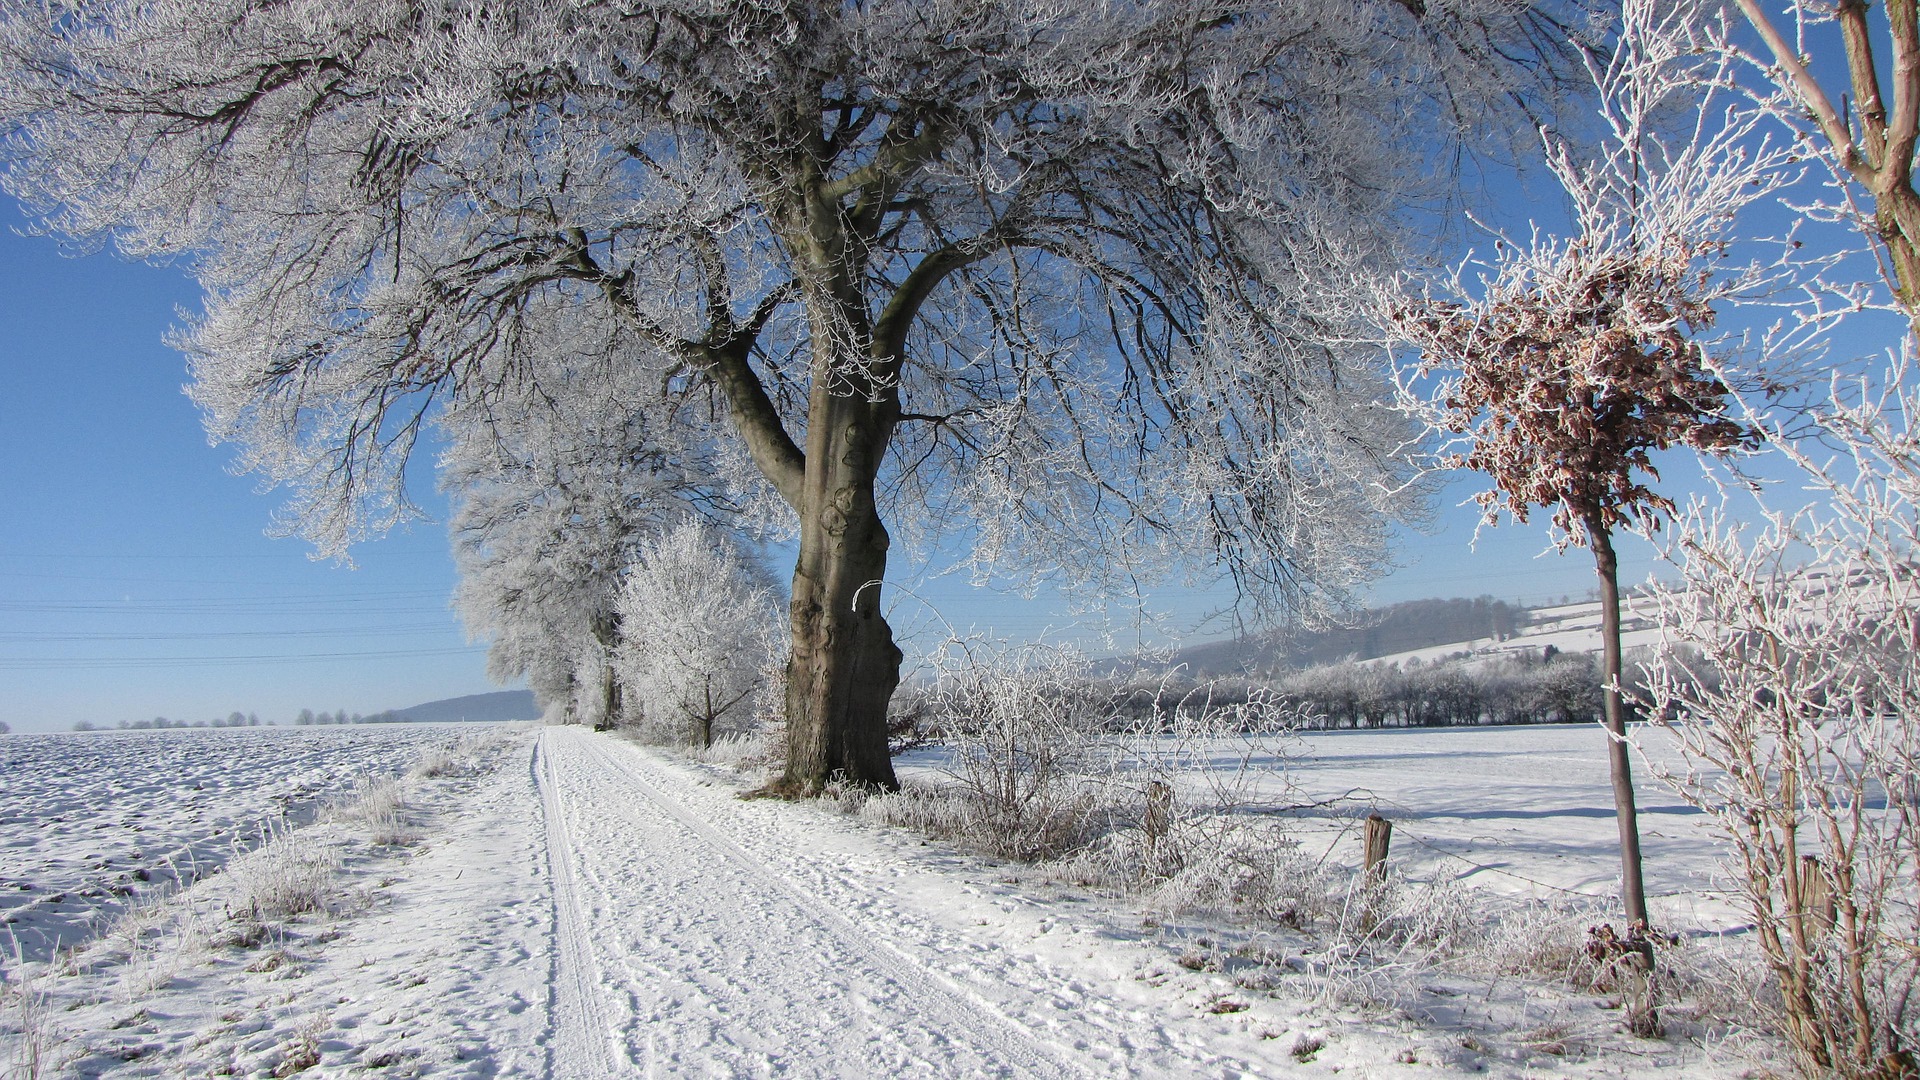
(699, 633)
(1580, 359)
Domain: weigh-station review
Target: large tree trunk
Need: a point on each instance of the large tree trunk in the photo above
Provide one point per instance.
(1633, 891)
(845, 664)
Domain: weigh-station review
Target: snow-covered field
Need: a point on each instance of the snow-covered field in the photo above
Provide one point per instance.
(89, 822)
(571, 905)
(1518, 811)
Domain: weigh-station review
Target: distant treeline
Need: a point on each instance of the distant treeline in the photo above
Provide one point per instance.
(234, 719)
(390, 716)
(305, 718)
(1533, 687)
(1524, 688)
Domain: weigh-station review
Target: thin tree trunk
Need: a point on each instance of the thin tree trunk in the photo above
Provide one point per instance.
(706, 718)
(610, 700)
(1633, 891)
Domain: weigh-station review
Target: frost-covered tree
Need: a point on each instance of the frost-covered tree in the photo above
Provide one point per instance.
(1869, 140)
(699, 633)
(1070, 281)
(1574, 361)
(554, 493)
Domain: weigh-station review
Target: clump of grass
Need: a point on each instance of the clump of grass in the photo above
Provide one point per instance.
(740, 751)
(378, 803)
(1306, 1048)
(31, 1039)
(923, 808)
(288, 877)
(303, 1050)
(459, 759)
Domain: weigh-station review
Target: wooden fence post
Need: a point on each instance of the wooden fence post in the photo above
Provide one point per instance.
(1378, 835)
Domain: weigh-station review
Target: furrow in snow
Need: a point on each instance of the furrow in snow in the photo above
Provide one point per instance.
(580, 1037)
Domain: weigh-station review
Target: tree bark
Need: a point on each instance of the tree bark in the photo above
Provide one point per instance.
(1633, 891)
(845, 665)
(610, 700)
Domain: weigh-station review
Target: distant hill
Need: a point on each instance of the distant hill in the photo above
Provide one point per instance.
(500, 705)
(1400, 628)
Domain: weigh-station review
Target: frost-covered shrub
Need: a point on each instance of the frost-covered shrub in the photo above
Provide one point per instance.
(700, 637)
(940, 811)
(1027, 734)
(1045, 760)
(1539, 939)
(378, 803)
(742, 751)
(1805, 741)
(1252, 870)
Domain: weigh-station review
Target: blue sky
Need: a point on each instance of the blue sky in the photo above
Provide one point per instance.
(135, 576)
(136, 579)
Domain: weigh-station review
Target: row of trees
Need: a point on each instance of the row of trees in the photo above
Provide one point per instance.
(1564, 689)
(161, 723)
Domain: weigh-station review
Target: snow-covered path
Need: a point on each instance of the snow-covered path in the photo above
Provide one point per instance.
(687, 944)
(572, 906)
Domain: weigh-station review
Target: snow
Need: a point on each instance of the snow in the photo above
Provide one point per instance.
(1519, 811)
(89, 822)
(573, 905)
(1569, 628)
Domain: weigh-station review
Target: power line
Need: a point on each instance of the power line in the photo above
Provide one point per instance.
(73, 663)
(366, 604)
(363, 631)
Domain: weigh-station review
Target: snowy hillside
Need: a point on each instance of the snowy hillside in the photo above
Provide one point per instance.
(1568, 628)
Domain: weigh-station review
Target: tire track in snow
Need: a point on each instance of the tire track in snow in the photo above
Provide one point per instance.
(938, 1004)
(580, 1039)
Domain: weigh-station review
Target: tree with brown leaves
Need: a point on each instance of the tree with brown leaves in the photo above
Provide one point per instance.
(1575, 361)
(1568, 383)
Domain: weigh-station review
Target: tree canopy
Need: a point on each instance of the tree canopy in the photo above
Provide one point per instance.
(1077, 283)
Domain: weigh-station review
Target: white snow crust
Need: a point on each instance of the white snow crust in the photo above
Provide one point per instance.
(572, 905)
